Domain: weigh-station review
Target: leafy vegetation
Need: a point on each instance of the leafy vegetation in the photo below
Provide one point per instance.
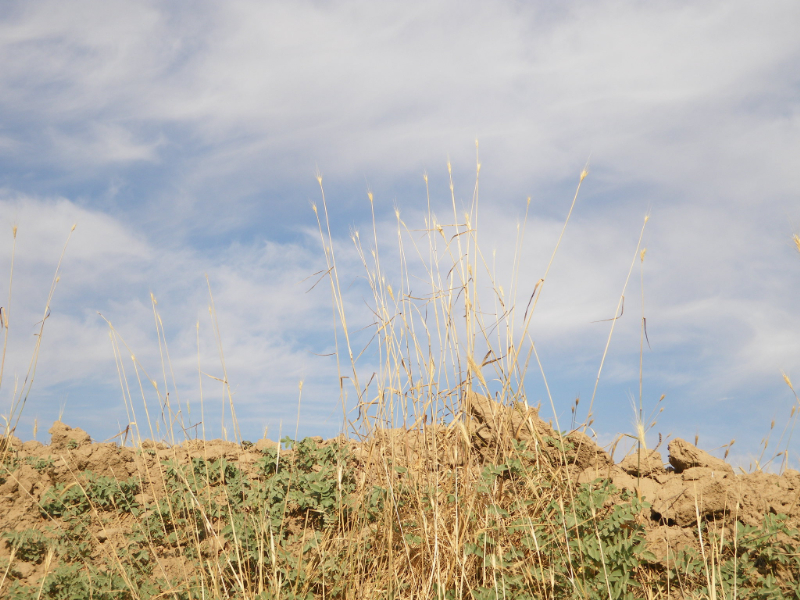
(760, 562)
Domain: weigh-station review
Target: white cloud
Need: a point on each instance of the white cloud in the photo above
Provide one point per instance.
(103, 143)
(383, 87)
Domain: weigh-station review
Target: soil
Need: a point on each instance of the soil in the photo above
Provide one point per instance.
(690, 487)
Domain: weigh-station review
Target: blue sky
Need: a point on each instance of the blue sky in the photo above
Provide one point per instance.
(184, 141)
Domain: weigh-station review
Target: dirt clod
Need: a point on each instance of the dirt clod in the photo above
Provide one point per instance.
(61, 435)
(683, 455)
(647, 465)
(495, 424)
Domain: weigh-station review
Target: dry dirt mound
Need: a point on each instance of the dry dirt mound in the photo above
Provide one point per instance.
(692, 487)
(691, 483)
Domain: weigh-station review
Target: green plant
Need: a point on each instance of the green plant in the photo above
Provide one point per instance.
(759, 562)
(67, 582)
(102, 492)
(30, 545)
(40, 464)
(10, 570)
